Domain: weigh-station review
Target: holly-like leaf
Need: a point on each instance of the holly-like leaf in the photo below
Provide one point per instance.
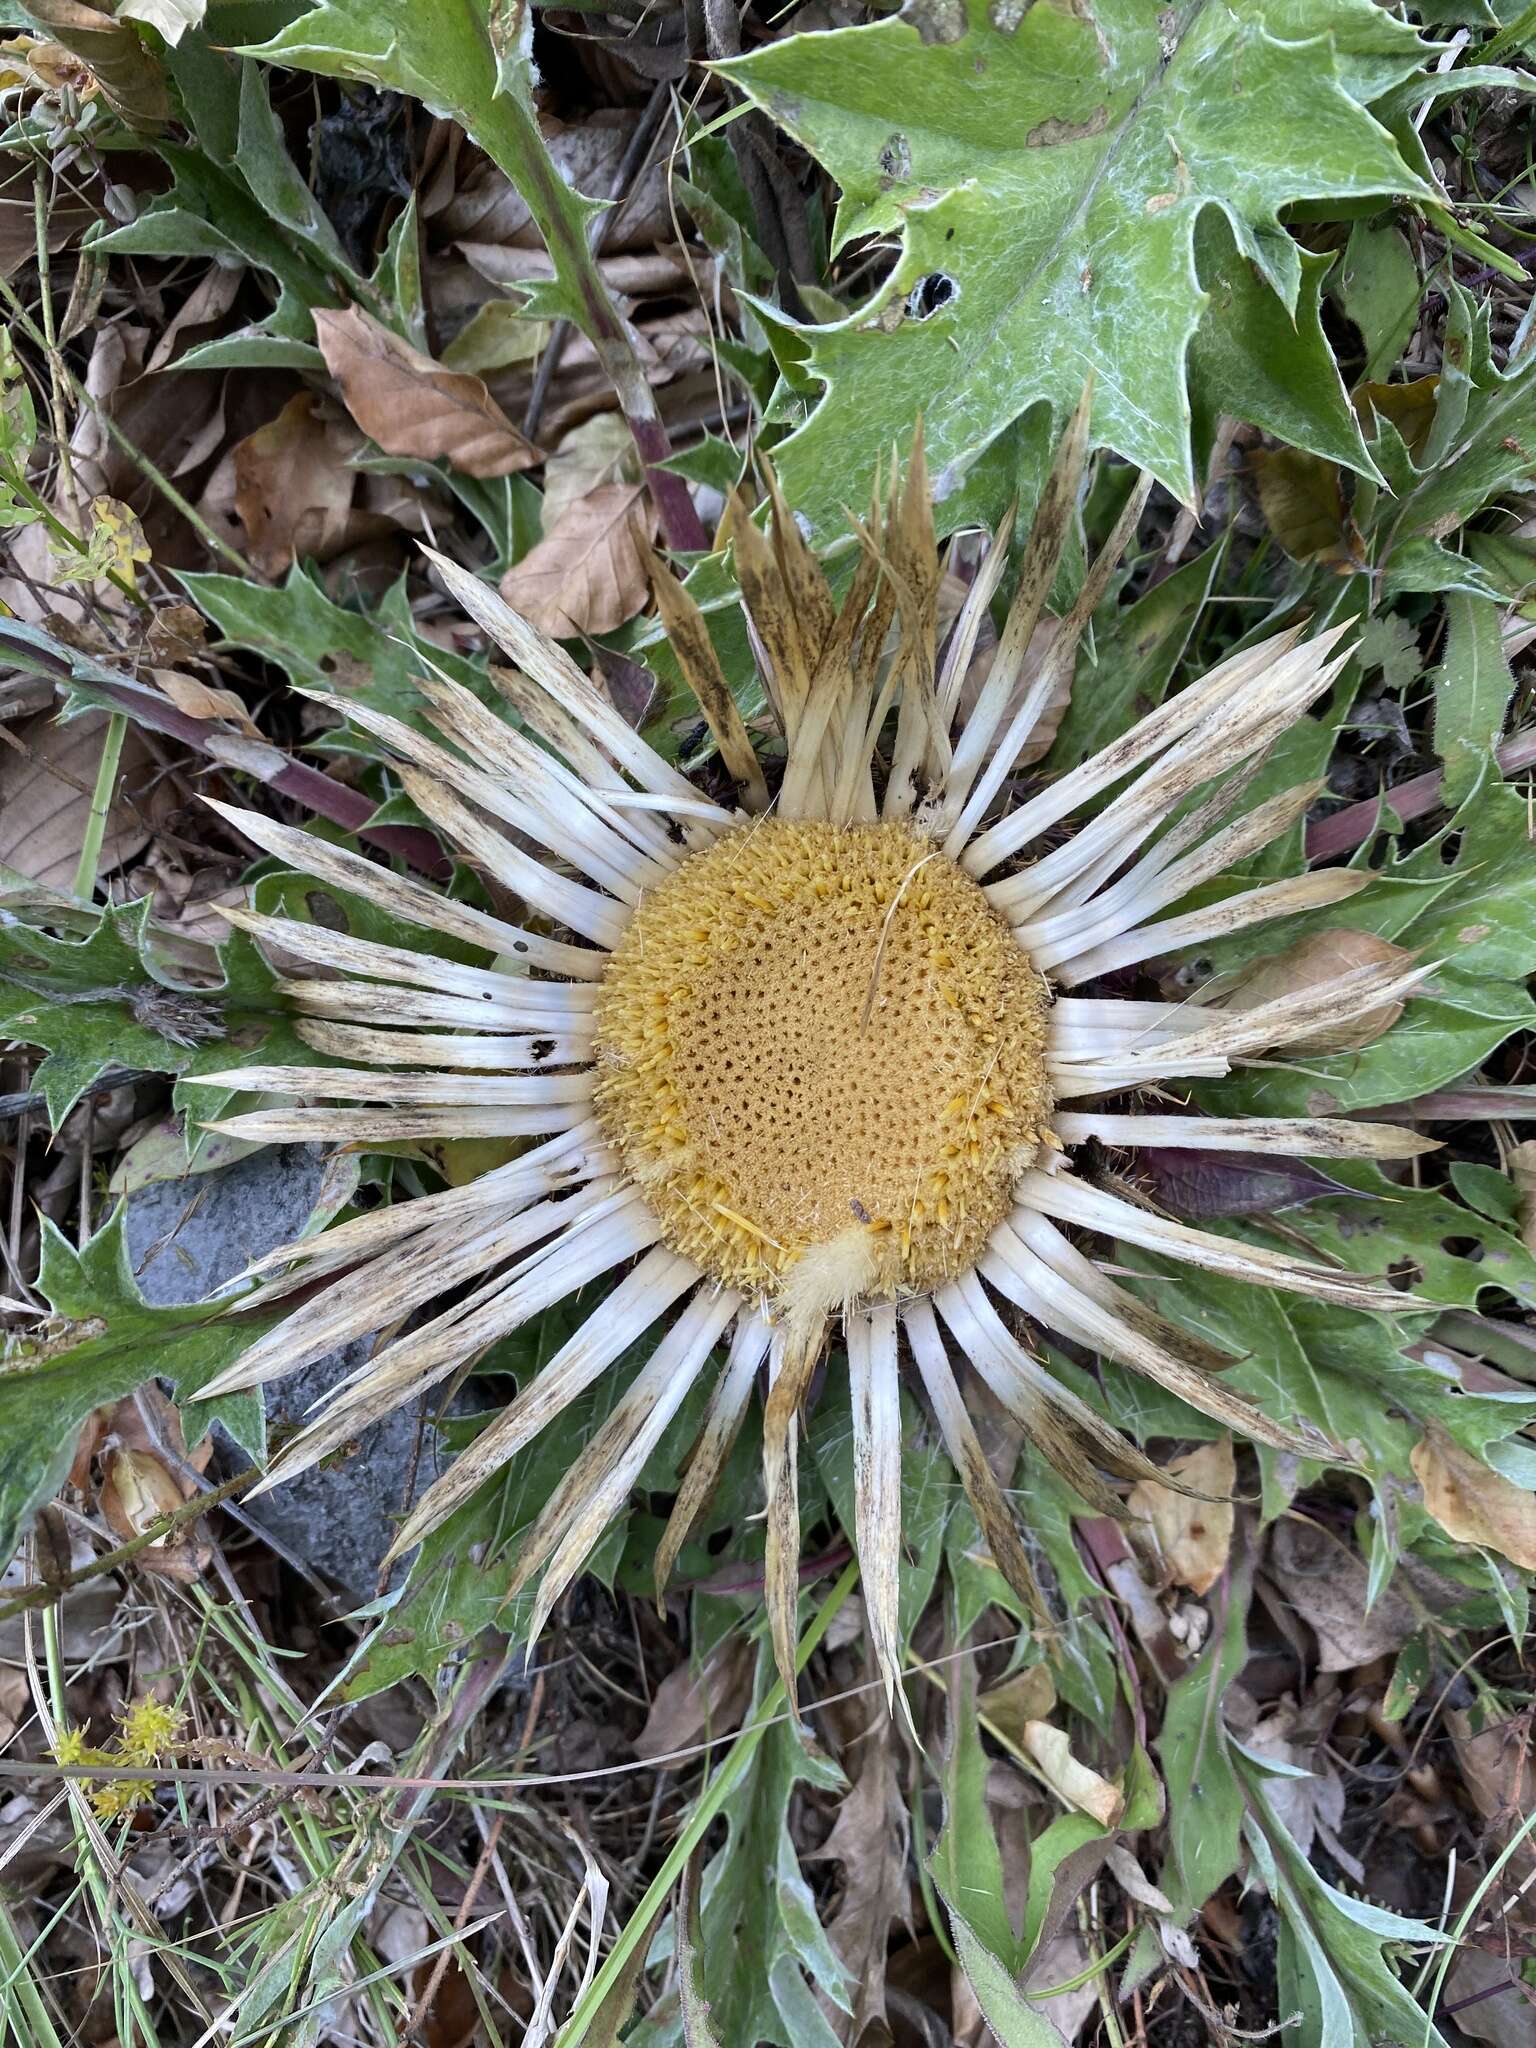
(98, 1002)
(469, 59)
(367, 657)
(1048, 168)
(105, 1342)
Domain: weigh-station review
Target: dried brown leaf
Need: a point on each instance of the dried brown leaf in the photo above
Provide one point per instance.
(1327, 1583)
(869, 1839)
(600, 451)
(411, 405)
(130, 77)
(293, 489)
(137, 1489)
(588, 573)
(202, 700)
(1472, 1502)
(1029, 1695)
(692, 1705)
(1319, 958)
(1302, 499)
(1521, 1166)
(1194, 1537)
(45, 798)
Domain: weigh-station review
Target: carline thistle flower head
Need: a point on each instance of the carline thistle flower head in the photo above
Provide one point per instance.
(805, 1063)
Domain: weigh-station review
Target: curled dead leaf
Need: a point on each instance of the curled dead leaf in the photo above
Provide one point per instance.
(588, 574)
(600, 451)
(411, 405)
(202, 700)
(130, 77)
(1028, 1695)
(137, 1490)
(1472, 1502)
(1194, 1537)
(1072, 1782)
(1521, 1165)
(1320, 957)
(693, 1704)
(1302, 499)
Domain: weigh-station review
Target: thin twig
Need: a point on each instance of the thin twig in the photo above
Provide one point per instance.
(48, 1595)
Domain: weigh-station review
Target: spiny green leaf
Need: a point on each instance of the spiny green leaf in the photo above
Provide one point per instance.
(1049, 214)
(1485, 923)
(1379, 290)
(1333, 1962)
(1440, 1037)
(1136, 652)
(1205, 1802)
(371, 657)
(107, 1341)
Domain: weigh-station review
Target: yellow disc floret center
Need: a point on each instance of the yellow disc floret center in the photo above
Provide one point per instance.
(820, 1050)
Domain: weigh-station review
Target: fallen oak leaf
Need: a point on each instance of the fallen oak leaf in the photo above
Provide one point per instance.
(1472, 1502)
(410, 405)
(588, 573)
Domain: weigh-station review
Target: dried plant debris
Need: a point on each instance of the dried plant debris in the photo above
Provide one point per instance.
(839, 704)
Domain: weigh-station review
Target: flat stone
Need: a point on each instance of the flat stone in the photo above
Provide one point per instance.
(188, 1236)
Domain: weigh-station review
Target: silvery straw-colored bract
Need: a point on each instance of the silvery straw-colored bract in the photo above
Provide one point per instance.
(804, 1066)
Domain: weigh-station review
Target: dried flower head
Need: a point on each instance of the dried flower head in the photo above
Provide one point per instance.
(805, 1061)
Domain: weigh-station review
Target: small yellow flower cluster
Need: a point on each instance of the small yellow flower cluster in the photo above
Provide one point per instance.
(147, 1735)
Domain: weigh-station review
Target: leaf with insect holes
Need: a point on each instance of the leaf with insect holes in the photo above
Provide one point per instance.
(1047, 168)
(106, 1340)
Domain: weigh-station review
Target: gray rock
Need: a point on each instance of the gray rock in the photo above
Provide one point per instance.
(186, 1237)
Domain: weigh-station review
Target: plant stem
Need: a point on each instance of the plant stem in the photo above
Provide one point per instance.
(719, 1789)
(1355, 824)
(51, 342)
(16, 1983)
(101, 805)
(31, 648)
